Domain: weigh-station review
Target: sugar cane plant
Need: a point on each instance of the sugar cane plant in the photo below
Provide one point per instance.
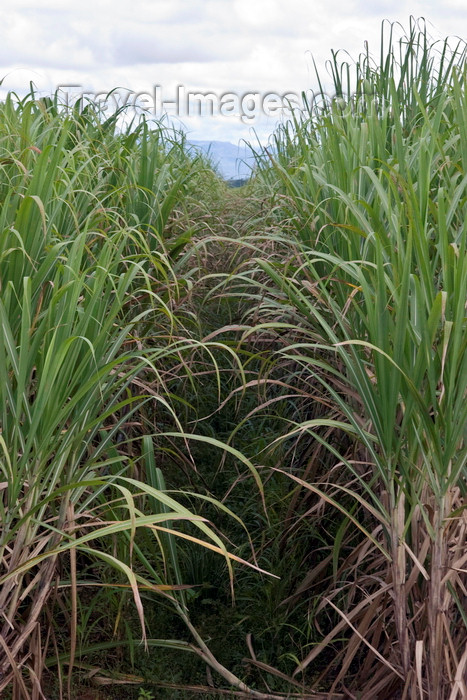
(374, 184)
(86, 266)
(321, 316)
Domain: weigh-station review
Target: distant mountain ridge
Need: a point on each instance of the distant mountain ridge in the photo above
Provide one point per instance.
(233, 162)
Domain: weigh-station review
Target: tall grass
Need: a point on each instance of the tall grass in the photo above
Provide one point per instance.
(375, 186)
(90, 238)
(139, 303)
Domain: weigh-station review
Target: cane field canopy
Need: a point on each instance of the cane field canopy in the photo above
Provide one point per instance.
(233, 421)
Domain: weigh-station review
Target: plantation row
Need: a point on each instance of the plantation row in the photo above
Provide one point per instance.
(233, 422)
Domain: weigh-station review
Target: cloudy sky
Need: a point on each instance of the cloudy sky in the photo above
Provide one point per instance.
(231, 47)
